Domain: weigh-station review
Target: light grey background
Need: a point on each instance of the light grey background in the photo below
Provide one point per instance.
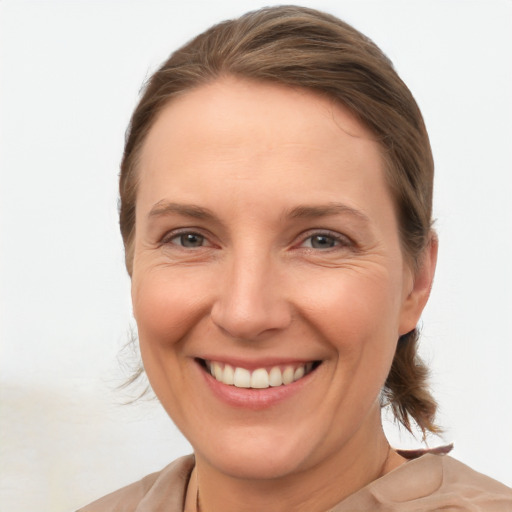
(70, 75)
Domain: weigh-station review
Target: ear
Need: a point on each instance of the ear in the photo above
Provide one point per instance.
(417, 294)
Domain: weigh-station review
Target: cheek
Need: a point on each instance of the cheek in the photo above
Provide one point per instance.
(357, 316)
(165, 313)
(164, 308)
(354, 308)
(360, 323)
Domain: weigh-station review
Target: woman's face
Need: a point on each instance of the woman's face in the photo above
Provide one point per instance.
(266, 248)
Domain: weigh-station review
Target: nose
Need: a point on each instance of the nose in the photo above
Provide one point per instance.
(251, 301)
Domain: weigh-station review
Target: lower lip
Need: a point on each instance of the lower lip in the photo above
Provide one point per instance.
(250, 398)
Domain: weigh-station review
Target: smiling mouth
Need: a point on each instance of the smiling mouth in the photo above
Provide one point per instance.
(260, 378)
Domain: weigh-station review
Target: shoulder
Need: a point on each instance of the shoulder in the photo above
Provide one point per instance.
(164, 488)
(456, 473)
(438, 482)
(430, 483)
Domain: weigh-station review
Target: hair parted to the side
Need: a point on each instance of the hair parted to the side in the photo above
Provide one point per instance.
(302, 47)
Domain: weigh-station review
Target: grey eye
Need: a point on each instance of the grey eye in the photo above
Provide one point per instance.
(322, 242)
(190, 240)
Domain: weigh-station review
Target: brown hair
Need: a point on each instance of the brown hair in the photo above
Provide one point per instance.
(302, 47)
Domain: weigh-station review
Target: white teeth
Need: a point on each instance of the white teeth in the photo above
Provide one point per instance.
(275, 377)
(229, 375)
(217, 371)
(242, 378)
(257, 379)
(288, 375)
(299, 373)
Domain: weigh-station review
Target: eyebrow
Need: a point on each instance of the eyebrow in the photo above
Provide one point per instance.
(304, 212)
(163, 208)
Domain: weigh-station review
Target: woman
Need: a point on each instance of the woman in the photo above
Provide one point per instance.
(276, 197)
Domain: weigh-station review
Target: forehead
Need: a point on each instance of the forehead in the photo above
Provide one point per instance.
(239, 108)
(232, 132)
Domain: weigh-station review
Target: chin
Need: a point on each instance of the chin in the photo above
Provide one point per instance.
(257, 457)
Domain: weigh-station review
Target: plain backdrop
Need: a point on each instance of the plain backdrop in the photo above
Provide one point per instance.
(70, 76)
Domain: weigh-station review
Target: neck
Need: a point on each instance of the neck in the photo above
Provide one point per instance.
(314, 488)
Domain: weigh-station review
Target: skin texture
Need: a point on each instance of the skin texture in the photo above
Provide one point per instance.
(268, 163)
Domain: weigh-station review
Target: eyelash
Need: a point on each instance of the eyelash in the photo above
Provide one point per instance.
(339, 240)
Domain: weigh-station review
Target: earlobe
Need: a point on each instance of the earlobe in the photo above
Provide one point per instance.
(423, 279)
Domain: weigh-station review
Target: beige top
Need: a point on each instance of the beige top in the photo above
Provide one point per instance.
(429, 483)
